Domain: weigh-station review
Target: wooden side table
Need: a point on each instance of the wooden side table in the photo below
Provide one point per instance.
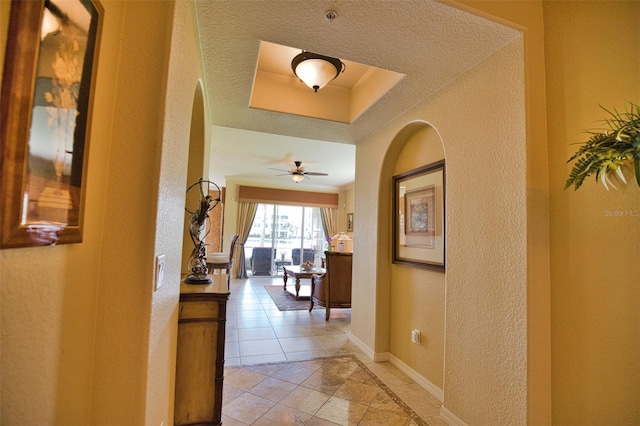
(202, 320)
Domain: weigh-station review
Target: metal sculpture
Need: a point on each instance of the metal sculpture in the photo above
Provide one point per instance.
(198, 229)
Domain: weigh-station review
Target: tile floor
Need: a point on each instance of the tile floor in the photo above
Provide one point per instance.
(275, 372)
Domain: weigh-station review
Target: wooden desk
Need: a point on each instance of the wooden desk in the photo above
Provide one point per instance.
(297, 272)
(200, 354)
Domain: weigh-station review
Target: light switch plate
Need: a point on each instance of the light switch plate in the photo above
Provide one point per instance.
(415, 336)
(159, 276)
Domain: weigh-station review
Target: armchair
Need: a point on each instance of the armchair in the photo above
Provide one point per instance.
(307, 256)
(261, 260)
(332, 289)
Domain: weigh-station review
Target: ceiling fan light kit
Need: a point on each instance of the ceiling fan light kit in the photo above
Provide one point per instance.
(315, 70)
(297, 178)
(298, 174)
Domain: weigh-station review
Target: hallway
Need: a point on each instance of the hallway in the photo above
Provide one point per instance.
(293, 367)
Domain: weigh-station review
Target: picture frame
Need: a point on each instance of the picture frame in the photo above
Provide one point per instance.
(349, 222)
(45, 119)
(418, 217)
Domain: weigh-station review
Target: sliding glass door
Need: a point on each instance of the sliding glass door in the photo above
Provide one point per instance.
(283, 235)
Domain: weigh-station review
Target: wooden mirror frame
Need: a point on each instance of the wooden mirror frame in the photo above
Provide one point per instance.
(28, 220)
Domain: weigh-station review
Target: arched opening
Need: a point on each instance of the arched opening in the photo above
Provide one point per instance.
(196, 165)
(413, 297)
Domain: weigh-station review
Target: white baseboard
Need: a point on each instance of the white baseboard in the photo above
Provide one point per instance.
(362, 346)
(449, 418)
(423, 382)
(373, 356)
(446, 415)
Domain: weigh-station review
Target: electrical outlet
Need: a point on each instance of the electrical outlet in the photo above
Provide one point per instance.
(159, 275)
(415, 336)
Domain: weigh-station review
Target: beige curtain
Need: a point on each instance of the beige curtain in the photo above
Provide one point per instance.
(329, 218)
(246, 213)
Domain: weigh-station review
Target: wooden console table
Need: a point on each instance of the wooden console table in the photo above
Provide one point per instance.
(297, 272)
(202, 320)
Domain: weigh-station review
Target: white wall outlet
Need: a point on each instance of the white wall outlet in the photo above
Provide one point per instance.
(415, 336)
(159, 275)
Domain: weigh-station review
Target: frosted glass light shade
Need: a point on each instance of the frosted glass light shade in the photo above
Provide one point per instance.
(316, 71)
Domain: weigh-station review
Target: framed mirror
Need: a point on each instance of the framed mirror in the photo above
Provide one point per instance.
(418, 217)
(47, 86)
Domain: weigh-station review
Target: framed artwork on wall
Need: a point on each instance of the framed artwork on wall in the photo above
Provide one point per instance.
(349, 222)
(45, 113)
(418, 217)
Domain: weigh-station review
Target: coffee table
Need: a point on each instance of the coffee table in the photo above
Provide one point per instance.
(297, 273)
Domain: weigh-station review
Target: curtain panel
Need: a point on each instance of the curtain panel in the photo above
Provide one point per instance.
(246, 214)
(329, 221)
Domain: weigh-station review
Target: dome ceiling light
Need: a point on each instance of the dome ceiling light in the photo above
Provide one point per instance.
(315, 70)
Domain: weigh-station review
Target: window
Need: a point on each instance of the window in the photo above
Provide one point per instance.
(295, 233)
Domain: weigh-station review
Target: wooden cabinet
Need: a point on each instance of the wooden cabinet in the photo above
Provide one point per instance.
(200, 353)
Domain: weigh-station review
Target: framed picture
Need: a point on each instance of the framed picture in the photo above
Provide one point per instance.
(418, 219)
(349, 222)
(45, 113)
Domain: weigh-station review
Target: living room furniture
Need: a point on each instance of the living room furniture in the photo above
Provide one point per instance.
(280, 263)
(202, 317)
(261, 260)
(297, 272)
(223, 260)
(307, 256)
(332, 289)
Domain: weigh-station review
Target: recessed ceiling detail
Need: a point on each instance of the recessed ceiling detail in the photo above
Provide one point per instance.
(344, 99)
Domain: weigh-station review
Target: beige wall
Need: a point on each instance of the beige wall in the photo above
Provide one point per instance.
(85, 339)
(527, 17)
(49, 311)
(593, 59)
(486, 310)
(185, 119)
(595, 331)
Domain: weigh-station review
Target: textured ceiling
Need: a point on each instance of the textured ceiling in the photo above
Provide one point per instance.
(430, 42)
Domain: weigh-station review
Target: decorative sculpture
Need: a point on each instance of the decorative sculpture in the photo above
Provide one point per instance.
(198, 229)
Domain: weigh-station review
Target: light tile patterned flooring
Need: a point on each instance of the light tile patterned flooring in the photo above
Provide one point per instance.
(275, 373)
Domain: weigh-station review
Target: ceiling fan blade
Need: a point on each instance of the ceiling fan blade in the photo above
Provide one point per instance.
(315, 174)
(284, 174)
(280, 170)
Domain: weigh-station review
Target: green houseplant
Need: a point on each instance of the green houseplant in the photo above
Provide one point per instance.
(607, 152)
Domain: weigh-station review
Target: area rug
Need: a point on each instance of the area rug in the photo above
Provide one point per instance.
(286, 301)
(334, 375)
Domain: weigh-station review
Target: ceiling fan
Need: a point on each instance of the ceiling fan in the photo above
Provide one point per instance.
(298, 174)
